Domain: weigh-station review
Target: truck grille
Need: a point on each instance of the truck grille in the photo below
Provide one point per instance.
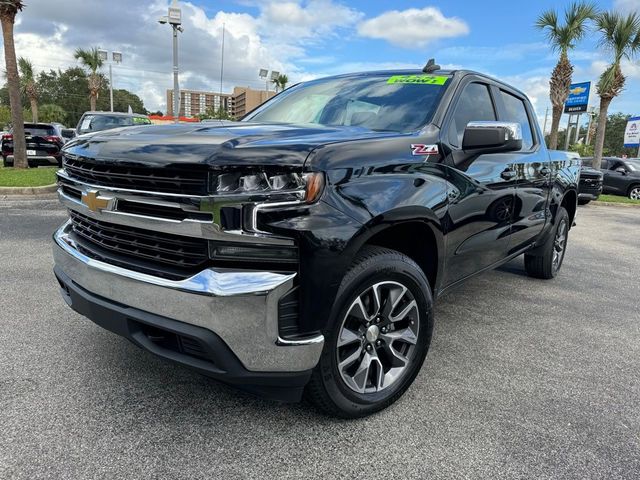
(159, 254)
(188, 180)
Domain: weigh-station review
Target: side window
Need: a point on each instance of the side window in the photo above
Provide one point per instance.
(473, 105)
(515, 111)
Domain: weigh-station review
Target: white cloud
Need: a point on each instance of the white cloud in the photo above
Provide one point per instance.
(315, 18)
(627, 5)
(413, 28)
(276, 37)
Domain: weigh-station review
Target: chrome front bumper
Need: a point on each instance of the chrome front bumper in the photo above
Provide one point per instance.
(241, 307)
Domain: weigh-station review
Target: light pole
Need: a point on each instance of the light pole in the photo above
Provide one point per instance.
(174, 18)
(116, 57)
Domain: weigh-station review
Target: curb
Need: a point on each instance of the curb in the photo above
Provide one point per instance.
(616, 204)
(44, 190)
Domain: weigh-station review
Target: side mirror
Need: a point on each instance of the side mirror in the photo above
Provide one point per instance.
(492, 136)
(621, 170)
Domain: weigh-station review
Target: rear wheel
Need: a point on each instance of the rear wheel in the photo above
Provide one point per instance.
(546, 262)
(6, 162)
(634, 192)
(377, 338)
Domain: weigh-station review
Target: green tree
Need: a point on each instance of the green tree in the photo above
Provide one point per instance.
(280, 82)
(5, 117)
(52, 113)
(91, 60)
(122, 100)
(8, 11)
(563, 36)
(620, 36)
(211, 113)
(29, 85)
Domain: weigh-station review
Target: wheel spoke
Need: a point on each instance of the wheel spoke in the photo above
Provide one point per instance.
(405, 311)
(397, 359)
(351, 359)
(362, 373)
(404, 334)
(358, 310)
(348, 336)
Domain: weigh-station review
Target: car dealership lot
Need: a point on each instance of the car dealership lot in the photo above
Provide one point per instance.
(525, 378)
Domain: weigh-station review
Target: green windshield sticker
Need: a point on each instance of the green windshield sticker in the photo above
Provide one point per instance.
(419, 79)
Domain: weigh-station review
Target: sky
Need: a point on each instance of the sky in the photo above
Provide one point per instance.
(312, 38)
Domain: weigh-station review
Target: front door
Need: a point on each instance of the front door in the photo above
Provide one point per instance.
(480, 190)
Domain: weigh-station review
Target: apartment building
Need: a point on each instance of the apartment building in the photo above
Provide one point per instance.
(237, 104)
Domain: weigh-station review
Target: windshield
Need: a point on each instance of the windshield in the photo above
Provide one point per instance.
(633, 165)
(399, 103)
(95, 123)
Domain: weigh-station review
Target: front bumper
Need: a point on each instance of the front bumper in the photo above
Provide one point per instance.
(240, 308)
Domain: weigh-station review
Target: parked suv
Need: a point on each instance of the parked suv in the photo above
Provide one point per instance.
(622, 177)
(44, 144)
(99, 121)
(301, 249)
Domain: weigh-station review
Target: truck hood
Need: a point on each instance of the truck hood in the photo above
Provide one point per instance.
(216, 144)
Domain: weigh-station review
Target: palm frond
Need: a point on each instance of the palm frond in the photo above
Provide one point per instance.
(89, 58)
(26, 68)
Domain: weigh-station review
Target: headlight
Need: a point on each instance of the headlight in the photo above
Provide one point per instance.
(302, 186)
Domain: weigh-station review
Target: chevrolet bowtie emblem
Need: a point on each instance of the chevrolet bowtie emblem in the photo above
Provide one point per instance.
(94, 201)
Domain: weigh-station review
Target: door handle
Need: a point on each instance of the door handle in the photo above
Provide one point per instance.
(545, 171)
(508, 174)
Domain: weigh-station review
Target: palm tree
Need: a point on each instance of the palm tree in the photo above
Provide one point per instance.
(29, 86)
(620, 35)
(562, 38)
(8, 11)
(280, 82)
(91, 60)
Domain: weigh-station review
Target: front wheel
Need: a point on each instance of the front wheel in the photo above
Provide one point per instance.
(546, 262)
(377, 337)
(634, 192)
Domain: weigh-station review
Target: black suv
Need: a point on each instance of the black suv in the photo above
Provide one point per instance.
(621, 176)
(302, 248)
(44, 144)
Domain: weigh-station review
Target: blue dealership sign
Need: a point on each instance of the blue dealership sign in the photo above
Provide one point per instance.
(578, 99)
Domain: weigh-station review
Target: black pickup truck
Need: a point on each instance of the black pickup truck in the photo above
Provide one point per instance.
(301, 249)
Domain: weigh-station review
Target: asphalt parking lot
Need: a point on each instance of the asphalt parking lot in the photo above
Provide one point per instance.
(524, 379)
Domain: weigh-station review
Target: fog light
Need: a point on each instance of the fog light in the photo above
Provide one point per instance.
(245, 253)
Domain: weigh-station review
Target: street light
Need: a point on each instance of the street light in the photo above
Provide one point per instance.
(264, 75)
(116, 57)
(174, 18)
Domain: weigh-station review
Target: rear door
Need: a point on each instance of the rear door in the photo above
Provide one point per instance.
(480, 190)
(532, 168)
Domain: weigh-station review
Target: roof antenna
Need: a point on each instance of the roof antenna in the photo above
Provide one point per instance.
(431, 66)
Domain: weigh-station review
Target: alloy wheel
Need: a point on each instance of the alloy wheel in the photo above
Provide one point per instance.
(378, 337)
(634, 194)
(559, 245)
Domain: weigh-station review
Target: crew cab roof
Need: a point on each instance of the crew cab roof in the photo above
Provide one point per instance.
(454, 73)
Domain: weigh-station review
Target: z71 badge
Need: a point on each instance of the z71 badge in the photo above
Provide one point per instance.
(422, 149)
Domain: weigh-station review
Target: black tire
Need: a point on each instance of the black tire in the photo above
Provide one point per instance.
(540, 264)
(327, 388)
(6, 162)
(583, 201)
(634, 192)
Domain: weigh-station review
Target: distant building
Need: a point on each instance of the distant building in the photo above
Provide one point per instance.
(237, 104)
(246, 99)
(193, 102)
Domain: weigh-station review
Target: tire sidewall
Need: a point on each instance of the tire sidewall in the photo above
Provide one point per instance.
(384, 267)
